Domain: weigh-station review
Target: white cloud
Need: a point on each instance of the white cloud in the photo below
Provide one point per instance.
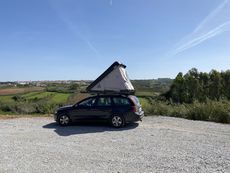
(216, 23)
(111, 2)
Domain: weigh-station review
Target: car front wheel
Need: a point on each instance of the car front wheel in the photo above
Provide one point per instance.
(64, 120)
(117, 121)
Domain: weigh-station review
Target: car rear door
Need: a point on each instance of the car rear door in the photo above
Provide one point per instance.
(121, 104)
(103, 107)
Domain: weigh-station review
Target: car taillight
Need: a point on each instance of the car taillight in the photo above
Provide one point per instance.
(134, 109)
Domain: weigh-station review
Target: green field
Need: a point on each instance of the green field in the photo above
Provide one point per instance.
(33, 96)
(33, 102)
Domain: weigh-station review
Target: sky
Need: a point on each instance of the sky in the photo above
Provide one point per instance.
(79, 39)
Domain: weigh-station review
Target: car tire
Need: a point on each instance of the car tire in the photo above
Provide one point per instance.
(64, 120)
(117, 121)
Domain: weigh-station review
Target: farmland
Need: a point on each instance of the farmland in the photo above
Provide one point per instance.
(30, 99)
(41, 102)
(13, 91)
(44, 100)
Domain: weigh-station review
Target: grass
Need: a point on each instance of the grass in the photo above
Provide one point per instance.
(6, 99)
(38, 95)
(32, 103)
(145, 93)
(60, 98)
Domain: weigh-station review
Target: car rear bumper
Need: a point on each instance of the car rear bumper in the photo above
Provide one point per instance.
(133, 117)
(141, 116)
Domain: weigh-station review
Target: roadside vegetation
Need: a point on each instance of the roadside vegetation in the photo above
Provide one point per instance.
(195, 95)
(217, 111)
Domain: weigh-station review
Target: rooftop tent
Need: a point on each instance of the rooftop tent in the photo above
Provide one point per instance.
(114, 79)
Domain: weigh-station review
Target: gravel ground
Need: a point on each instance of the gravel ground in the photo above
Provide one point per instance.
(158, 144)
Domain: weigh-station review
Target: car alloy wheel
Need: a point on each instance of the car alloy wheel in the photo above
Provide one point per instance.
(117, 121)
(64, 120)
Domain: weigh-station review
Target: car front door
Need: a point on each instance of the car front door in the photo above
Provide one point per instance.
(84, 110)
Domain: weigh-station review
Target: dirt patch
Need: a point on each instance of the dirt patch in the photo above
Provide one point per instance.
(12, 91)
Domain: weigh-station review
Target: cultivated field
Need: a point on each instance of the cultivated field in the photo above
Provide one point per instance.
(13, 91)
(36, 100)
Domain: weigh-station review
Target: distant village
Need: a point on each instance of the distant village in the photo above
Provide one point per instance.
(158, 85)
(43, 83)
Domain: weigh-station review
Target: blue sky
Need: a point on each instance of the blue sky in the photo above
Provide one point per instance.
(79, 39)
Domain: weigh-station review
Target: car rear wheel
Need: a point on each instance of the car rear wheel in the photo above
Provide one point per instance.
(64, 120)
(117, 121)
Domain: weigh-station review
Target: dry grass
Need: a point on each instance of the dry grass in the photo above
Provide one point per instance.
(12, 91)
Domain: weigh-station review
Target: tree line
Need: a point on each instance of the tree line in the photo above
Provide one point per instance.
(199, 86)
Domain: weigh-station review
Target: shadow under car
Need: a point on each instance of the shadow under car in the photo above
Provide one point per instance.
(86, 127)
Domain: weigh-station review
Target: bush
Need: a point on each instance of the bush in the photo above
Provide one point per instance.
(217, 111)
(45, 108)
(18, 98)
(34, 106)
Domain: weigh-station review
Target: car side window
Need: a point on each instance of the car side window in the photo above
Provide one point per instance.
(87, 103)
(104, 101)
(120, 101)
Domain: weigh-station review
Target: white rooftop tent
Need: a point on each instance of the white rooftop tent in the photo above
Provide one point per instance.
(114, 79)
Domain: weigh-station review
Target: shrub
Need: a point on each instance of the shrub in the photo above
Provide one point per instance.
(217, 111)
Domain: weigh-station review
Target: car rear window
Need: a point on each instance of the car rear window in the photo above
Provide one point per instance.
(104, 101)
(121, 101)
(135, 100)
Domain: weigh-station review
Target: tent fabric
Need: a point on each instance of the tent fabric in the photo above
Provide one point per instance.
(114, 79)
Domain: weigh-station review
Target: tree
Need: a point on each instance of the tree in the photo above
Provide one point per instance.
(204, 86)
(177, 92)
(74, 86)
(215, 85)
(199, 86)
(226, 83)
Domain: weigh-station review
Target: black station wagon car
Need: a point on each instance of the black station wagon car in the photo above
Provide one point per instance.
(116, 109)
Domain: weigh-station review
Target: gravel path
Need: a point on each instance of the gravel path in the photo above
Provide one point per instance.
(158, 144)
